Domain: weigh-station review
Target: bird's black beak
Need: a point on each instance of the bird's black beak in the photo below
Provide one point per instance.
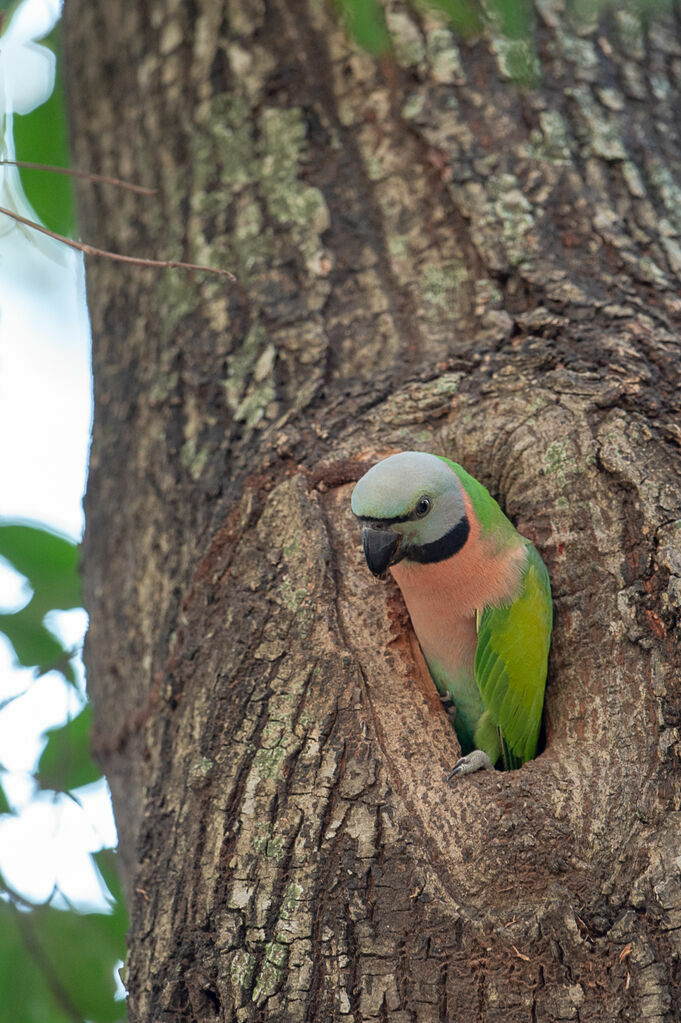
(381, 549)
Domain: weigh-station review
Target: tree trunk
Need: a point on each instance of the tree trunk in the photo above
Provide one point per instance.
(429, 257)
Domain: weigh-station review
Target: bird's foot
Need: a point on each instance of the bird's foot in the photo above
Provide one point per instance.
(475, 761)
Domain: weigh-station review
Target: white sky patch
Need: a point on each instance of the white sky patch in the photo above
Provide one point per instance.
(15, 592)
(47, 701)
(50, 842)
(45, 391)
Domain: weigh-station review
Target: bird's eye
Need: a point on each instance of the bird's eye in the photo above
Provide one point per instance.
(423, 506)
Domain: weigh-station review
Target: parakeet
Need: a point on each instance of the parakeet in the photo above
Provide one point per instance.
(478, 595)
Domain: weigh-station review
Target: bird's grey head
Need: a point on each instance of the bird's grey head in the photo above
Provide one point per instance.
(411, 506)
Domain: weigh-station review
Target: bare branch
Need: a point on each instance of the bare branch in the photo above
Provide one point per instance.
(86, 175)
(91, 250)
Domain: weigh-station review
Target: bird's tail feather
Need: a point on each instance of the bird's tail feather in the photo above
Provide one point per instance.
(511, 761)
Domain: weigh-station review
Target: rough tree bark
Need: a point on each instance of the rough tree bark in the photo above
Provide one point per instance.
(428, 257)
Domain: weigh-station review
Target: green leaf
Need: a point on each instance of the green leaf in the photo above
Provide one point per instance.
(34, 645)
(106, 860)
(8, 8)
(57, 966)
(4, 802)
(41, 137)
(106, 863)
(66, 762)
(48, 560)
(50, 563)
(26, 996)
(88, 948)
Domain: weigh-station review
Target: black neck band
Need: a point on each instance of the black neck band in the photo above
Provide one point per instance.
(443, 548)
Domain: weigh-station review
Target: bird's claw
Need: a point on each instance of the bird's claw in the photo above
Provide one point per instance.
(475, 761)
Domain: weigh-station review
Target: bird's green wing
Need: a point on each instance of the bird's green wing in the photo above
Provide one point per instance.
(511, 658)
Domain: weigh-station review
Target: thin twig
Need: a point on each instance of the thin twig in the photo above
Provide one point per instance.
(16, 897)
(91, 250)
(10, 699)
(103, 178)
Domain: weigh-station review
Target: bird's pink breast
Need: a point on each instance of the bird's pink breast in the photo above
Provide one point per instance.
(442, 597)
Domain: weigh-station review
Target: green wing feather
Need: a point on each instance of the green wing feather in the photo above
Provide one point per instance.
(488, 513)
(511, 659)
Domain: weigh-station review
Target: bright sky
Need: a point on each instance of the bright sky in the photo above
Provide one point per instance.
(45, 414)
(45, 389)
